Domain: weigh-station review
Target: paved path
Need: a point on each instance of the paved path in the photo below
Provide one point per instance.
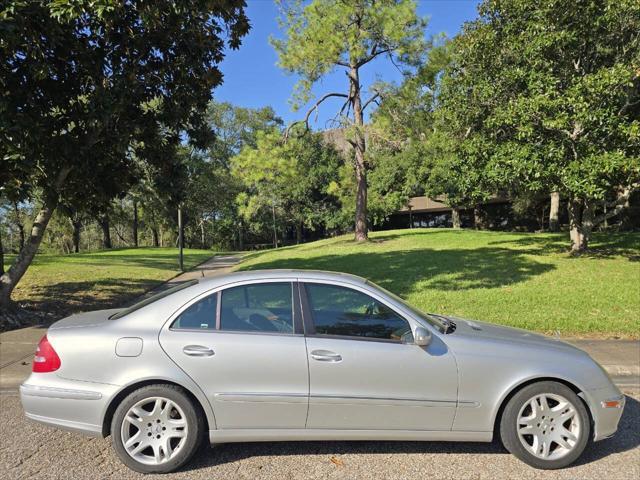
(216, 265)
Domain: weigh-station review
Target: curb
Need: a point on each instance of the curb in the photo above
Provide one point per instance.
(623, 370)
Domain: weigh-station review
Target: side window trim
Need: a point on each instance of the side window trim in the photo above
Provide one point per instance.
(298, 316)
(295, 307)
(218, 309)
(307, 317)
(185, 307)
(298, 297)
(310, 329)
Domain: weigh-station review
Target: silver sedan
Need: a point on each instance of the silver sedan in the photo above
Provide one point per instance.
(304, 355)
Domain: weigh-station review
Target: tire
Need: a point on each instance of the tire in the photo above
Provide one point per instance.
(559, 433)
(161, 427)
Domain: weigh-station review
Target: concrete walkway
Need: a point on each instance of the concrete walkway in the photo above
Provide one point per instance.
(216, 265)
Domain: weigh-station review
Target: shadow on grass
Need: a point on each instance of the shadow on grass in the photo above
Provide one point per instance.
(603, 245)
(64, 298)
(627, 438)
(400, 271)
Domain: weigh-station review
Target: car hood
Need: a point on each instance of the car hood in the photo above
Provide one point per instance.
(488, 331)
(85, 319)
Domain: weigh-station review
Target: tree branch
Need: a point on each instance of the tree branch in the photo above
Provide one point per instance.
(618, 204)
(372, 99)
(373, 55)
(310, 111)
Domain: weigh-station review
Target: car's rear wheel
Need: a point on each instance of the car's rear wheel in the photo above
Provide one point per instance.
(156, 429)
(546, 425)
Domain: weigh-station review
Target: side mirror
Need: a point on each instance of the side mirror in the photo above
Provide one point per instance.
(421, 337)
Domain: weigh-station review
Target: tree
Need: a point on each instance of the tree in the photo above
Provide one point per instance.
(326, 35)
(406, 147)
(87, 83)
(550, 97)
(287, 183)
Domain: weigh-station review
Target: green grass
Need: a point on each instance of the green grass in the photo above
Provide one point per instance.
(517, 279)
(63, 284)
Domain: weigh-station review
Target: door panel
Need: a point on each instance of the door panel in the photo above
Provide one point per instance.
(252, 380)
(362, 375)
(255, 374)
(382, 385)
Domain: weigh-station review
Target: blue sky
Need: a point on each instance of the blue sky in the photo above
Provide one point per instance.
(252, 78)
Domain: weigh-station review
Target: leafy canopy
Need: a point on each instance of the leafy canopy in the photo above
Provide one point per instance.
(326, 34)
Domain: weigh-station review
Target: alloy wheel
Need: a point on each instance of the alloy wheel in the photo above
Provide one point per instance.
(548, 426)
(154, 430)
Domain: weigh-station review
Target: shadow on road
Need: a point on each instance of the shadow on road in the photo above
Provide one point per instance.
(627, 438)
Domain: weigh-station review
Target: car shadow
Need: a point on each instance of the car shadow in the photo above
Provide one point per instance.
(626, 438)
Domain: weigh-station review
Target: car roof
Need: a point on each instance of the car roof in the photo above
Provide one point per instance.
(280, 273)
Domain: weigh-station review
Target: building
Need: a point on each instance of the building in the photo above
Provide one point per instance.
(429, 212)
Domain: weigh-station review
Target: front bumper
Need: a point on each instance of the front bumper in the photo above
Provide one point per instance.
(67, 404)
(605, 419)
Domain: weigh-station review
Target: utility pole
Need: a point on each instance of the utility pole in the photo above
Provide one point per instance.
(275, 232)
(180, 238)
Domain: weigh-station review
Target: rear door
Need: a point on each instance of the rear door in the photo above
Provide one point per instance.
(244, 346)
(363, 372)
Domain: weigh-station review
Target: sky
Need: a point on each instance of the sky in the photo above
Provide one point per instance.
(253, 79)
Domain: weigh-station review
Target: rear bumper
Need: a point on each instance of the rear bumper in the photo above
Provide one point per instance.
(66, 404)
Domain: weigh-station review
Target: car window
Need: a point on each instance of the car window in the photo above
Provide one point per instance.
(200, 315)
(342, 311)
(261, 307)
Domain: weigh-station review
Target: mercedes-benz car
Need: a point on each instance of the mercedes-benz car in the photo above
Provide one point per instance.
(305, 355)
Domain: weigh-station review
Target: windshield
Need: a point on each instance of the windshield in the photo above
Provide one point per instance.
(152, 298)
(430, 319)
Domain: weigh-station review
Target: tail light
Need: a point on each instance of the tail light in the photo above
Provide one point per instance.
(46, 358)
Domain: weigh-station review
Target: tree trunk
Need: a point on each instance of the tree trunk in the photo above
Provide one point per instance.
(202, 234)
(76, 235)
(554, 224)
(477, 217)
(135, 223)
(18, 225)
(1, 255)
(361, 228)
(106, 232)
(154, 230)
(580, 224)
(455, 217)
(154, 234)
(299, 233)
(240, 237)
(11, 277)
(181, 239)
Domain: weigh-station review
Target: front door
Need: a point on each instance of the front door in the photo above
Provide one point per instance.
(244, 347)
(363, 374)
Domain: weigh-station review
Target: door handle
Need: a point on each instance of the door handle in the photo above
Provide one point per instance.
(326, 356)
(198, 351)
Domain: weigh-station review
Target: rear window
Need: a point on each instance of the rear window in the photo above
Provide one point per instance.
(153, 298)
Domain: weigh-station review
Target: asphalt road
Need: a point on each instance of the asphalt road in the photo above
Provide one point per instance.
(30, 451)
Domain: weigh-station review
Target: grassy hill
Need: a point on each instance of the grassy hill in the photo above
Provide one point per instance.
(522, 280)
(62, 284)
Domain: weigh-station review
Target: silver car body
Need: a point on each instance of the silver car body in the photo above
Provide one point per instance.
(270, 386)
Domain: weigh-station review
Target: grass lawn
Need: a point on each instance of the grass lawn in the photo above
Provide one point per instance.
(62, 284)
(518, 279)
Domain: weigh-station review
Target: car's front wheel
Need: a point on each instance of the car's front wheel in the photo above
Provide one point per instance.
(156, 429)
(546, 425)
